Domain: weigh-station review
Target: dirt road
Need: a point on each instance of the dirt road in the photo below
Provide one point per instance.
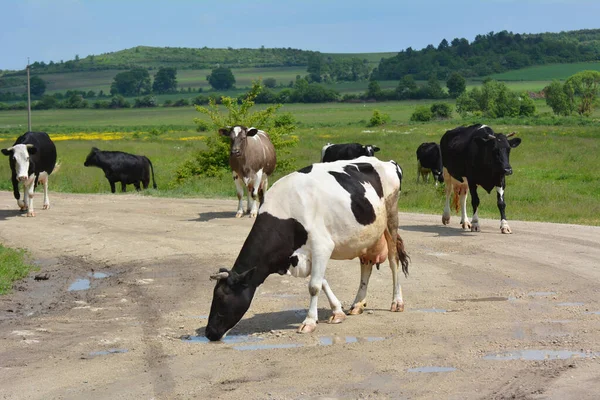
(499, 316)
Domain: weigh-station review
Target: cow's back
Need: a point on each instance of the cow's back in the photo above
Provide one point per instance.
(457, 148)
(44, 159)
(258, 154)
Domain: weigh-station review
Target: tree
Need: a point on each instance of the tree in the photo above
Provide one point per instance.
(456, 85)
(407, 88)
(557, 98)
(374, 90)
(37, 86)
(433, 89)
(221, 78)
(585, 86)
(270, 82)
(131, 83)
(165, 80)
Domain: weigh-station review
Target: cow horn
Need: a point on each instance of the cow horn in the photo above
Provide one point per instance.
(29, 145)
(220, 275)
(491, 137)
(511, 134)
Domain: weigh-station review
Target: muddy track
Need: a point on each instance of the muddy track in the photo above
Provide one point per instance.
(502, 316)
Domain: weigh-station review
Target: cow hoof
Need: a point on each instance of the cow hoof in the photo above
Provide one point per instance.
(445, 220)
(46, 206)
(31, 214)
(337, 318)
(466, 226)
(475, 228)
(239, 214)
(356, 310)
(505, 229)
(397, 306)
(253, 215)
(307, 328)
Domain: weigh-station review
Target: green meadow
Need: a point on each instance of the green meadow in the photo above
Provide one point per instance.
(555, 178)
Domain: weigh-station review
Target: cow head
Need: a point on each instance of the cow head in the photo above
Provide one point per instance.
(238, 135)
(496, 150)
(92, 158)
(370, 150)
(19, 159)
(232, 296)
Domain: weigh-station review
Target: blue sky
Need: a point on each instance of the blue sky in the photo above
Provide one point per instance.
(57, 30)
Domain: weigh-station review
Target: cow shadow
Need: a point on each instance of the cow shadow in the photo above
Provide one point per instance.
(5, 214)
(278, 320)
(210, 215)
(440, 230)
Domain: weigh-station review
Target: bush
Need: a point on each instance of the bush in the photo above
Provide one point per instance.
(168, 103)
(441, 110)
(181, 103)
(378, 119)
(270, 82)
(422, 114)
(200, 100)
(101, 104)
(119, 102)
(146, 101)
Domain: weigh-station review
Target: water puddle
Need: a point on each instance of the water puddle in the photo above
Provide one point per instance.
(107, 352)
(84, 283)
(538, 355)
(484, 299)
(540, 294)
(199, 316)
(432, 369)
(328, 340)
(430, 310)
(573, 304)
(231, 339)
(268, 346)
(593, 312)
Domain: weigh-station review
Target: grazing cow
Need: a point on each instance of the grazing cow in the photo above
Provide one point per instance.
(122, 167)
(346, 151)
(473, 156)
(32, 159)
(252, 159)
(429, 161)
(338, 210)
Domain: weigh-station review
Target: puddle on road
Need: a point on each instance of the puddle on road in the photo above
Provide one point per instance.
(538, 355)
(227, 339)
(323, 341)
(84, 283)
(593, 312)
(329, 340)
(430, 310)
(484, 299)
(540, 294)
(431, 369)
(107, 352)
(573, 304)
(268, 346)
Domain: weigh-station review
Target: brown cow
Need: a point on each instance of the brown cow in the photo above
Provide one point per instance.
(252, 159)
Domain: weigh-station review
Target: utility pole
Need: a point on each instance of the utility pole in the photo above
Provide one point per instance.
(28, 100)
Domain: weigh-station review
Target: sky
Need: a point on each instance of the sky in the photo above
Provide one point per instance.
(54, 30)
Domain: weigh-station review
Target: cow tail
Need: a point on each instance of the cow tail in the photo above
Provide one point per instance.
(152, 169)
(56, 168)
(402, 255)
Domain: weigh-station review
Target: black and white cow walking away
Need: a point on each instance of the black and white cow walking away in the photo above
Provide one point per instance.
(429, 161)
(346, 151)
(122, 167)
(336, 210)
(252, 159)
(32, 159)
(473, 156)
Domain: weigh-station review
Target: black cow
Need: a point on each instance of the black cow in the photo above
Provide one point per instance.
(340, 210)
(32, 160)
(122, 167)
(429, 160)
(473, 156)
(346, 151)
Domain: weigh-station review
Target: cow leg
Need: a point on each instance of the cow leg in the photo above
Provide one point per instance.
(262, 189)
(418, 170)
(22, 205)
(338, 315)
(257, 182)
(504, 228)
(322, 249)
(464, 220)
(396, 252)
(449, 190)
(137, 186)
(475, 204)
(123, 188)
(239, 188)
(112, 186)
(29, 188)
(44, 180)
(360, 301)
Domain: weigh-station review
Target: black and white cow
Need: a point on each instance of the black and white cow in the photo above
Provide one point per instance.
(346, 151)
(32, 159)
(429, 160)
(122, 167)
(476, 156)
(338, 210)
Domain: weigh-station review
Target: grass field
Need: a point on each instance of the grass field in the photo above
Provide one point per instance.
(13, 266)
(556, 176)
(546, 72)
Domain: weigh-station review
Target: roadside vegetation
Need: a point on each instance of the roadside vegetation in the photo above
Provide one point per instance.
(13, 266)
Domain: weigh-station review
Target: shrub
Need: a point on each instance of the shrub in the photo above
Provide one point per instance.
(378, 118)
(181, 103)
(441, 110)
(422, 114)
(146, 101)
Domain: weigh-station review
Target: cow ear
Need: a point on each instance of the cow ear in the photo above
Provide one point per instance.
(514, 142)
(251, 131)
(376, 149)
(7, 152)
(243, 278)
(224, 132)
(31, 149)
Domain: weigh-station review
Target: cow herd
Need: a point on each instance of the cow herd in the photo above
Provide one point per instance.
(342, 208)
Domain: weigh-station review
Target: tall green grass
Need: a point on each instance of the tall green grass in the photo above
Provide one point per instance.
(13, 266)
